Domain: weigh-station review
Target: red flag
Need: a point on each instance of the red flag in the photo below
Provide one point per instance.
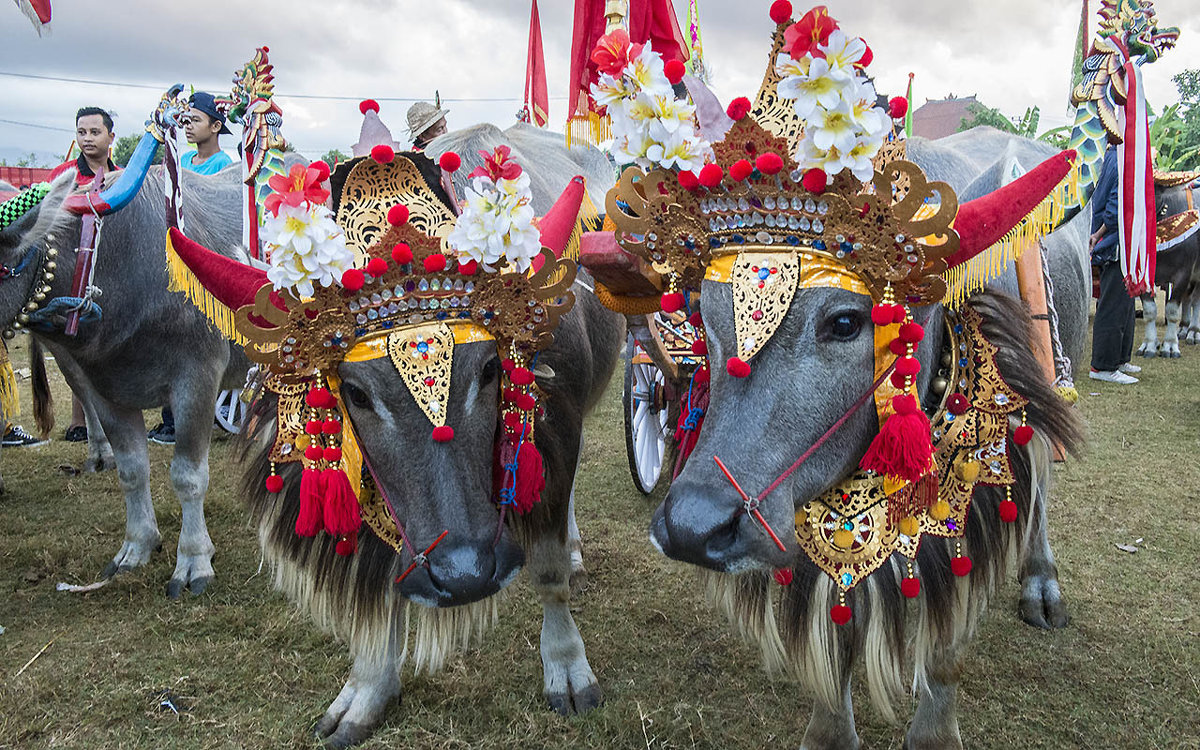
(537, 101)
(38, 12)
(654, 21)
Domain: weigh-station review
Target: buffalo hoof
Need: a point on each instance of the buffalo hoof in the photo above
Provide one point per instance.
(97, 464)
(355, 714)
(192, 572)
(949, 743)
(1042, 605)
(573, 702)
(1147, 352)
(1193, 338)
(132, 555)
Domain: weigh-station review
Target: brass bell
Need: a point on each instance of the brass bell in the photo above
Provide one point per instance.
(50, 266)
(947, 359)
(50, 237)
(39, 297)
(8, 333)
(940, 385)
(31, 306)
(47, 277)
(16, 326)
(52, 252)
(23, 318)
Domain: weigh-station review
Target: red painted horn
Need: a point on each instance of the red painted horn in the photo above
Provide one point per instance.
(982, 222)
(558, 223)
(231, 283)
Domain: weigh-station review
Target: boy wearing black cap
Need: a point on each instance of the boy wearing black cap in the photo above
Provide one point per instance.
(205, 125)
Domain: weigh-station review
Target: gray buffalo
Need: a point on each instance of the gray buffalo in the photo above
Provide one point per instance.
(1177, 270)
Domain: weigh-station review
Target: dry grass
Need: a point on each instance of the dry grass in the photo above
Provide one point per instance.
(246, 672)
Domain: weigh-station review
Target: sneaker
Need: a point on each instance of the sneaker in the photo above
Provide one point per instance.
(163, 435)
(1112, 376)
(76, 434)
(18, 437)
(1130, 369)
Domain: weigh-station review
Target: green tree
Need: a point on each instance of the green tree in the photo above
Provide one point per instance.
(1175, 134)
(334, 156)
(123, 149)
(1025, 126)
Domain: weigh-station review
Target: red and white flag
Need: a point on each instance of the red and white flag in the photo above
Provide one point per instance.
(1136, 198)
(38, 12)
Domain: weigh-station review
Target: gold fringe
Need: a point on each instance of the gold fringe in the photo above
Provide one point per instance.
(181, 279)
(978, 272)
(589, 129)
(10, 399)
(620, 303)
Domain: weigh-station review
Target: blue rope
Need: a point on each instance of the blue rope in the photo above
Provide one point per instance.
(44, 319)
(25, 261)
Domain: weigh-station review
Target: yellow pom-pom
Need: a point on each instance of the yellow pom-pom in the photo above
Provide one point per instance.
(843, 539)
(940, 510)
(967, 471)
(909, 526)
(1068, 393)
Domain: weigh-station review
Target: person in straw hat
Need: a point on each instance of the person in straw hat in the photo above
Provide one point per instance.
(425, 122)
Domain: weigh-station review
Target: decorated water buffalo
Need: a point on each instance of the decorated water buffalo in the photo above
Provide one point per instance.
(1177, 269)
(827, 273)
(424, 377)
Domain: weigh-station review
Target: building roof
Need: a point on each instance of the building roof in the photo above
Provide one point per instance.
(939, 118)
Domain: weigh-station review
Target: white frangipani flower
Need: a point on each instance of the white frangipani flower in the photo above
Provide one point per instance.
(841, 54)
(812, 90)
(834, 127)
(496, 225)
(305, 245)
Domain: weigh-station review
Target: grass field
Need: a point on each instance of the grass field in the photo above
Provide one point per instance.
(244, 671)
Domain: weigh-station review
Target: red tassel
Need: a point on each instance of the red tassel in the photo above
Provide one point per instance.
(341, 506)
(530, 479)
(308, 523)
(902, 448)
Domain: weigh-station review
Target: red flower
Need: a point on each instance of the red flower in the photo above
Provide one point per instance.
(296, 187)
(802, 37)
(613, 52)
(497, 165)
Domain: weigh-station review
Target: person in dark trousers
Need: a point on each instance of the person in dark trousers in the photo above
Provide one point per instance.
(1112, 330)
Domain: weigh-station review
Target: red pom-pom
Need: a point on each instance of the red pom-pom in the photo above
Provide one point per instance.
(781, 11)
(783, 576)
(353, 279)
(908, 366)
(346, 545)
(377, 267)
(513, 421)
(434, 263)
(911, 333)
(769, 163)
(840, 614)
(815, 180)
(688, 180)
(368, 105)
(274, 484)
(469, 268)
(314, 453)
(867, 58)
(672, 302)
(319, 398)
(960, 566)
(397, 214)
(507, 365)
(401, 254)
(904, 404)
(739, 107)
(710, 175)
(331, 426)
(322, 170)
(1008, 511)
(881, 315)
(741, 169)
(383, 153)
(699, 348)
(525, 402)
(897, 380)
(702, 375)
(333, 454)
(910, 587)
(899, 314)
(737, 367)
(313, 427)
(696, 319)
(674, 70)
(443, 434)
(1023, 434)
(957, 404)
(898, 347)
(521, 376)
(450, 161)
(898, 107)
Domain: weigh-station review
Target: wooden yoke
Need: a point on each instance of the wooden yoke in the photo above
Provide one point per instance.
(1032, 287)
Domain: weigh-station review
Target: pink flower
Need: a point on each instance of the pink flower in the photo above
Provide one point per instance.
(497, 165)
(802, 37)
(302, 184)
(613, 52)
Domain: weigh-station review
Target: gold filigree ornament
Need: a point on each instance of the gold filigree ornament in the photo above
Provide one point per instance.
(763, 286)
(409, 297)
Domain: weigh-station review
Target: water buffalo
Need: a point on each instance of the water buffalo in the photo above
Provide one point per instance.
(1177, 270)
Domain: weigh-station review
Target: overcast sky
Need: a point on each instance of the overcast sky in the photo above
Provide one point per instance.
(1012, 54)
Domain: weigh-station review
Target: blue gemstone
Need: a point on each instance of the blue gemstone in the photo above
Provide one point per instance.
(958, 328)
(464, 314)
(714, 243)
(423, 347)
(388, 324)
(763, 273)
(689, 244)
(738, 239)
(848, 526)
(962, 362)
(442, 315)
(819, 244)
(488, 315)
(949, 417)
(847, 579)
(793, 240)
(359, 331)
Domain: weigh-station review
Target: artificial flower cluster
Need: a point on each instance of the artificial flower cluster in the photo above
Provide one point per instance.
(496, 224)
(822, 73)
(650, 126)
(303, 242)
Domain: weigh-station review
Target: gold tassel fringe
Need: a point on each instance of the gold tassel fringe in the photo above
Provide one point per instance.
(181, 279)
(978, 272)
(589, 129)
(10, 399)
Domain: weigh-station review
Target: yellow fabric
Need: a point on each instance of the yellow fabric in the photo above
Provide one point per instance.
(181, 279)
(465, 332)
(816, 272)
(351, 453)
(10, 400)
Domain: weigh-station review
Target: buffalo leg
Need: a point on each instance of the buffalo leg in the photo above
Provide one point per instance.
(1042, 603)
(360, 708)
(935, 723)
(574, 540)
(570, 685)
(1149, 347)
(832, 729)
(99, 453)
(189, 477)
(1170, 345)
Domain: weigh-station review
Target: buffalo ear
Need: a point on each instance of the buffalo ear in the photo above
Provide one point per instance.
(543, 372)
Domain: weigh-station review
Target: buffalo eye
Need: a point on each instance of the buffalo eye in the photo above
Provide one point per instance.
(490, 370)
(844, 326)
(356, 396)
